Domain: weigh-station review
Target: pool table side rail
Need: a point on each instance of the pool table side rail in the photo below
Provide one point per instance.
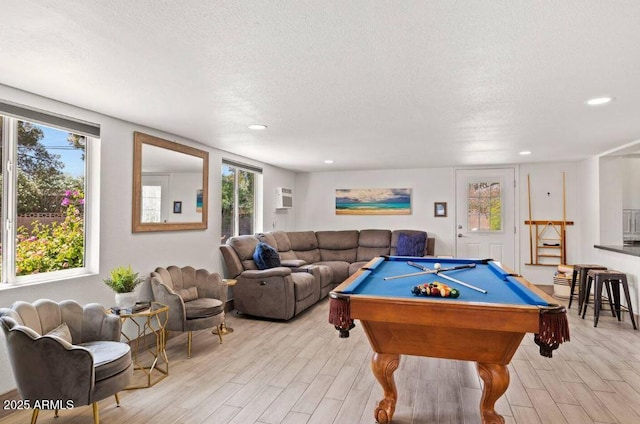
(451, 314)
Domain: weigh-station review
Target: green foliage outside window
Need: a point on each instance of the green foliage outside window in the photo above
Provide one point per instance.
(246, 201)
(55, 246)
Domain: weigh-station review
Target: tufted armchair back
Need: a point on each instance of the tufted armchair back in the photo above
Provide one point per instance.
(179, 279)
(86, 323)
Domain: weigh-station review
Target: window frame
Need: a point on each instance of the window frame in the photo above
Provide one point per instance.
(11, 114)
(257, 195)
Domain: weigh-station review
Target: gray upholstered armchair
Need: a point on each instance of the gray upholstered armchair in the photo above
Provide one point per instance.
(65, 353)
(195, 298)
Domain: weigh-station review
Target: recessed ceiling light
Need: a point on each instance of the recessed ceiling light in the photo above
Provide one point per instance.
(525, 152)
(329, 161)
(258, 127)
(599, 101)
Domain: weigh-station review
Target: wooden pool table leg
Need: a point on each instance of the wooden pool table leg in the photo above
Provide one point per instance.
(496, 381)
(383, 366)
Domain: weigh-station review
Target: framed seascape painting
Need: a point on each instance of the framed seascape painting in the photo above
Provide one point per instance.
(373, 201)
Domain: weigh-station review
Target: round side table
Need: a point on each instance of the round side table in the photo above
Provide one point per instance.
(223, 327)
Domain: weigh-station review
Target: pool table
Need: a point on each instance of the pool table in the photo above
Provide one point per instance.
(483, 327)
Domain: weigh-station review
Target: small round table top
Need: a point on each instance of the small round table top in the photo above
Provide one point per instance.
(230, 281)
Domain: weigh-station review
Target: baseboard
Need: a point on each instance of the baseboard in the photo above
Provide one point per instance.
(10, 395)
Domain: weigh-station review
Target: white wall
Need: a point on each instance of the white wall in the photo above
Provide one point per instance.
(631, 182)
(593, 171)
(315, 197)
(183, 187)
(610, 183)
(118, 246)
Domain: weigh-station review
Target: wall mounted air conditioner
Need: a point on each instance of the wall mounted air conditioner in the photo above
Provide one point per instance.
(284, 198)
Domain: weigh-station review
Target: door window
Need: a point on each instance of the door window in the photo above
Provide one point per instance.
(484, 211)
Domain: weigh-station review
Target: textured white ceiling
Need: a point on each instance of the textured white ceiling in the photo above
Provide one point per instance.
(370, 84)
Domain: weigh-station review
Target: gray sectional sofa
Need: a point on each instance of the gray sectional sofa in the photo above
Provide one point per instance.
(312, 264)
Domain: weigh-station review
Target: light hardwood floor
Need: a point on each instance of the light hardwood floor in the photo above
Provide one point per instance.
(300, 372)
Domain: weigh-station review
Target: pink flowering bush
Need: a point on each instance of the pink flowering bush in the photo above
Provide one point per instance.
(55, 246)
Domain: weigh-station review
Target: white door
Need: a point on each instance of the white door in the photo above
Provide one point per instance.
(485, 215)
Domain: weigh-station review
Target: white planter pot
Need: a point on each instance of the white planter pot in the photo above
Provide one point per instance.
(126, 300)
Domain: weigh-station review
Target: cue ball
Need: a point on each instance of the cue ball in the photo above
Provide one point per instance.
(437, 266)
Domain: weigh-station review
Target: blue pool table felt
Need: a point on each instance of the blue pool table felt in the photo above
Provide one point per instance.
(501, 288)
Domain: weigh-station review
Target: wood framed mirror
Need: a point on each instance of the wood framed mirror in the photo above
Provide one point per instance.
(165, 173)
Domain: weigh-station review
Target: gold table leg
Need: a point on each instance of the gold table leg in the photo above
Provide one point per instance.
(223, 329)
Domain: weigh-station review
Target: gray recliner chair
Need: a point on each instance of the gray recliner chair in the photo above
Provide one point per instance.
(65, 355)
(195, 298)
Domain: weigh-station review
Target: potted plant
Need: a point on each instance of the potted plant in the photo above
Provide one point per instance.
(123, 281)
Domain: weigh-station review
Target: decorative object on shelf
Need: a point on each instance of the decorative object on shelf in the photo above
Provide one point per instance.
(440, 209)
(123, 281)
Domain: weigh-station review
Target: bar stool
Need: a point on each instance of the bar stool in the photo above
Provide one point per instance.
(582, 269)
(611, 280)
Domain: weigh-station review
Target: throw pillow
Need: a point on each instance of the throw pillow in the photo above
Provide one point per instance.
(61, 332)
(411, 245)
(188, 294)
(266, 256)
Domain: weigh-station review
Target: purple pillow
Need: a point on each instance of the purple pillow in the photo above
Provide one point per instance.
(411, 245)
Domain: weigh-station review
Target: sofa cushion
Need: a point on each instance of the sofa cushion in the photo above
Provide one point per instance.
(203, 308)
(282, 241)
(284, 245)
(411, 244)
(304, 285)
(269, 239)
(265, 256)
(372, 243)
(340, 270)
(305, 246)
(245, 246)
(109, 358)
(62, 332)
(338, 245)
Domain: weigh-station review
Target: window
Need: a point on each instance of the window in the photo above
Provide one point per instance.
(151, 203)
(485, 206)
(239, 210)
(45, 196)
